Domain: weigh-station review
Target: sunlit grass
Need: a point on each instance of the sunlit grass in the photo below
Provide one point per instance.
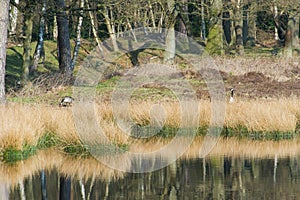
(36, 126)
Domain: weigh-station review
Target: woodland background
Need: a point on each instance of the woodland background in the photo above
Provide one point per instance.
(223, 27)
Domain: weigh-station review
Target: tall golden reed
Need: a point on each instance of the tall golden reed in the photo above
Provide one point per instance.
(22, 123)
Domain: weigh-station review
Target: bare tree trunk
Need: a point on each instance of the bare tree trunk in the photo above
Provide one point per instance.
(55, 31)
(184, 22)
(252, 24)
(275, 16)
(295, 39)
(239, 28)
(64, 47)
(111, 28)
(13, 19)
(39, 50)
(28, 24)
(77, 45)
(151, 14)
(131, 30)
(94, 28)
(170, 38)
(232, 29)
(291, 35)
(203, 26)
(160, 23)
(4, 4)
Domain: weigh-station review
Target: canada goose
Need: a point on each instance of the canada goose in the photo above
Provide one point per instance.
(231, 100)
(66, 101)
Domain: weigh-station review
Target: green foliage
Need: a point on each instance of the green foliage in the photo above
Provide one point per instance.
(48, 140)
(76, 149)
(11, 154)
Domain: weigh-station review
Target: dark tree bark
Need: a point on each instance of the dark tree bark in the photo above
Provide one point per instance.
(227, 26)
(27, 31)
(238, 26)
(251, 40)
(203, 25)
(288, 45)
(63, 40)
(4, 4)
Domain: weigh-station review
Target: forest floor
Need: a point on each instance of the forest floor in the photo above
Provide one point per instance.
(257, 75)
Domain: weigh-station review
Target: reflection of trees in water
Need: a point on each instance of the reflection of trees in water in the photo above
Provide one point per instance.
(218, 177)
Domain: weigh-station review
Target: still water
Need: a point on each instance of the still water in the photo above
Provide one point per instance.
(53, 175)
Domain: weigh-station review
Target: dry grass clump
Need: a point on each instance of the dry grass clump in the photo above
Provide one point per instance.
(59, 121)
(278, 115)
(20, 124)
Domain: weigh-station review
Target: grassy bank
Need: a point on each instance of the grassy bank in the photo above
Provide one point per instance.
(27, 128)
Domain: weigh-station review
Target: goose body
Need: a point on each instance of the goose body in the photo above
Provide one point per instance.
(231, 100)
(66, 101)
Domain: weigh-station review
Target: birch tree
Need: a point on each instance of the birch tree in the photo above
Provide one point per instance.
(110, 25)
(13, 18)
(170, 37)
(39, 50)
(77, 44)
(94, 29)
(4, 4)
(203, 24)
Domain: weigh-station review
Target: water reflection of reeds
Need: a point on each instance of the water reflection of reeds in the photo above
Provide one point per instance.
(67, 166)
(84, 168)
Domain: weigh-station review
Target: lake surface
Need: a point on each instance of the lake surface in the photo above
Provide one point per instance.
(53, 175)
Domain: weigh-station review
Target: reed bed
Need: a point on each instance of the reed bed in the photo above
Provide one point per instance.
(23, 124)
(277, 115)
